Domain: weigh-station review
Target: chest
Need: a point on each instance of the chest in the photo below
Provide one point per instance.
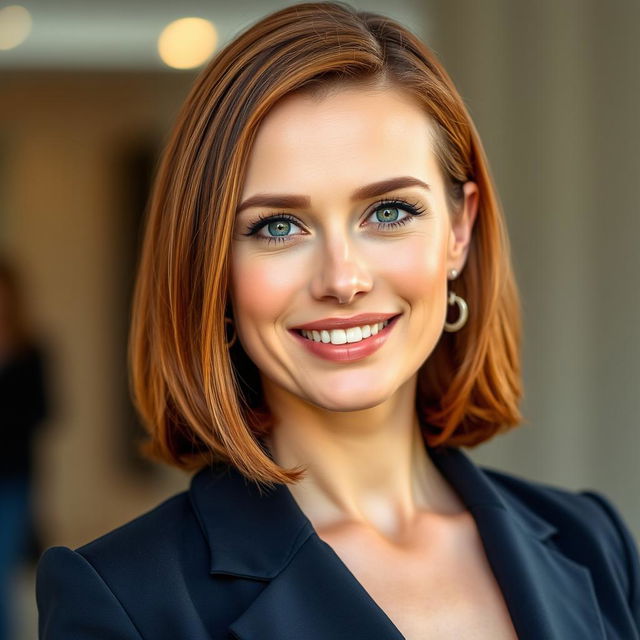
(439, 585)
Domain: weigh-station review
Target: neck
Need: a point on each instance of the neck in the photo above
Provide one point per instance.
(366, 467)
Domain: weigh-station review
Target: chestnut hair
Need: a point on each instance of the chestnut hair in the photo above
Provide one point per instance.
(200, 400)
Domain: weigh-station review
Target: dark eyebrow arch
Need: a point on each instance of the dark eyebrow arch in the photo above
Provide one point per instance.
(289, 201)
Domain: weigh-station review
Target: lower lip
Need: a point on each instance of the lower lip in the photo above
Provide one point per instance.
(351, 350)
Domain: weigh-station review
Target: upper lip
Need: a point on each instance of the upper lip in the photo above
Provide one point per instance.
(342, 323)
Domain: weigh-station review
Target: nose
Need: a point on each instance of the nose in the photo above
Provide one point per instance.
(341, 273)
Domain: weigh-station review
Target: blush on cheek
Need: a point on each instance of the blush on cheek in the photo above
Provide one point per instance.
(417, 275)
(418, 270)
(261, 294)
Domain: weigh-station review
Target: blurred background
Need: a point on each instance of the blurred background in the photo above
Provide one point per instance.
(88, 94)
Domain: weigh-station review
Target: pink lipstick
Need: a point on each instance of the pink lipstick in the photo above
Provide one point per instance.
(348, 352)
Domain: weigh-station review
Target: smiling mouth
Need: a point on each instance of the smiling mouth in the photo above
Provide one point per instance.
(352, 335)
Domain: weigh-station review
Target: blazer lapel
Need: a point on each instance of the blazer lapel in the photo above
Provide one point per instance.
(549, 596)
(316, 598)
(310, 593)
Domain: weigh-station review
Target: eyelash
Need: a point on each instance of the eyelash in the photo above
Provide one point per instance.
(414, 211)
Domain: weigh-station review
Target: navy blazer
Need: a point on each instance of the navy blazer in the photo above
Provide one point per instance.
(222, 560)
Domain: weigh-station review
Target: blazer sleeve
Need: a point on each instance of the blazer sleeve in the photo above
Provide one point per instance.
(75, 603)
(630, 551)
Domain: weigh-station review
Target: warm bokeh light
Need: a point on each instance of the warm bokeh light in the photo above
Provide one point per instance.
(187, 43)
(15, 26)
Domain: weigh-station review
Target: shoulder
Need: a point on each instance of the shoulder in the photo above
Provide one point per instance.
(564, 508)
(101, 580)
(589, 528)
(158, 528)
(157, 533)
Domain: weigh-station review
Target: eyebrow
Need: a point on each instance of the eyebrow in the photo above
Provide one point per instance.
(290, 201)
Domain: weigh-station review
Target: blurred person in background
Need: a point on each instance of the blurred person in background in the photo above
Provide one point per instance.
(23, 408)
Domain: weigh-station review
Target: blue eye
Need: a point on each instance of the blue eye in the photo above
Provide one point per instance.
(387, 213)
(279, 226)
(390, 216)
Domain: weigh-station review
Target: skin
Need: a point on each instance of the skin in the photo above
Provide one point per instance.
(354, 425)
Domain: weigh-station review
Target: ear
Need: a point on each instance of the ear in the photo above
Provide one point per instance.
(461, 228)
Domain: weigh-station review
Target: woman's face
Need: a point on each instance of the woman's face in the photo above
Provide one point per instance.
(348, 244)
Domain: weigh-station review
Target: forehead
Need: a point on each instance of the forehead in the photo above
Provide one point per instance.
(353, 136)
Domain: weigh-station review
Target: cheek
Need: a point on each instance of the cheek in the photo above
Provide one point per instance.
(419, 272)
(261, 288)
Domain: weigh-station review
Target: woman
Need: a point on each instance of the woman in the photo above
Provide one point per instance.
(325, 313)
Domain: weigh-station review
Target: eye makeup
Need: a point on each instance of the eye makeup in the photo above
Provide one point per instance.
(413, 210)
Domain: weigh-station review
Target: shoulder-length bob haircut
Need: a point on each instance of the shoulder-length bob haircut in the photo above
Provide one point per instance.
(200, 399)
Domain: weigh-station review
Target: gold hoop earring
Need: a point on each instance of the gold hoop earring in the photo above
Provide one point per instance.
(462, 306)
(233, 340)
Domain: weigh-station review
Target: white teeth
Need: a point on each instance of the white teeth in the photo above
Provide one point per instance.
(354, 334)
(343, 336)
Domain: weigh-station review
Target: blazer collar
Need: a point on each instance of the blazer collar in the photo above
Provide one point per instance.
(249, 534)
(268, 537)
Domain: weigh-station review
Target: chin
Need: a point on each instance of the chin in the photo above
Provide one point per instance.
(348, 400)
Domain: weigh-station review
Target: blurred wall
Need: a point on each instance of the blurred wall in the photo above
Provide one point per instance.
(64, 193)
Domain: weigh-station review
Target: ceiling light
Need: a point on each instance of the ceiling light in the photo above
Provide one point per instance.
(187, 43)
(15, 26)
